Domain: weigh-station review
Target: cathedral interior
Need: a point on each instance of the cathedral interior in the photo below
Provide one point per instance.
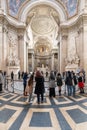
(43, 35)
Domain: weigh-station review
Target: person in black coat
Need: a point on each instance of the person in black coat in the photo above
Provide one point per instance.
(59, 82)
(25, 76)
(69, 83)
(12, 76)
(74, 79)
(39, 87)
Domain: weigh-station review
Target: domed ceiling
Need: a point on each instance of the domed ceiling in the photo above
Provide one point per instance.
(43, 20)
(42, 25)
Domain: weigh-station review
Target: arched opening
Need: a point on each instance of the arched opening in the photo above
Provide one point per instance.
(42, 37)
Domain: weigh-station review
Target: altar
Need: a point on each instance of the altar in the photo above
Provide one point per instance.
(43, 69)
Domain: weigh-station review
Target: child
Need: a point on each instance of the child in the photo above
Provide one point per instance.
(30, 89)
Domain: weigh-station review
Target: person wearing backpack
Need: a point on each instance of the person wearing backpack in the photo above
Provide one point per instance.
(59, 83)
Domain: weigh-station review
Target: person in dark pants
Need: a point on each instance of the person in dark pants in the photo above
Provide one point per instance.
(25, 76)
(81, 82)
(74, 79)
(59, 83)
(1, 80)
(19, 74)
(39, 88)
(12, 76)
(52, 84)
(69, 83)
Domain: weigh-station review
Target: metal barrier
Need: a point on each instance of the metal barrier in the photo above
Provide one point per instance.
(16, 86)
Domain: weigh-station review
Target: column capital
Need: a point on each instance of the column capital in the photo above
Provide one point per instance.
(64, 37)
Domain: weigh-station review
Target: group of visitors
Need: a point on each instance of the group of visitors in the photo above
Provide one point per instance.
(69, 80)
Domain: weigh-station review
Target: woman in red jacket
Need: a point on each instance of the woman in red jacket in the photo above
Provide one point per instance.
(81, 82)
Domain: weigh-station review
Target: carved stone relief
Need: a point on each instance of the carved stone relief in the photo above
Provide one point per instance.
(12, 59)
(72, 60)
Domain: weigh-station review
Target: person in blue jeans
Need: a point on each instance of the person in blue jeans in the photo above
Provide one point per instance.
(74, 80)
(25, 76)
(69, 83)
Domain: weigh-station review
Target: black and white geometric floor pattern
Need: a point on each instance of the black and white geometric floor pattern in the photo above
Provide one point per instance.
(59, 113)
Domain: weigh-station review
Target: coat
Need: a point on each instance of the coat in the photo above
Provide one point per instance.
(1, 78)
(39, 87)
(80, 82)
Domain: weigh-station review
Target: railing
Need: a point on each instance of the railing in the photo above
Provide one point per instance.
(16, 86)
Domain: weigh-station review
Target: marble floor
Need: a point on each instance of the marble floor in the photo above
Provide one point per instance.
(60, 113)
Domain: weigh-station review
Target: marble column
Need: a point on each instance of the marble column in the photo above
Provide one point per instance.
(63, 52)
(52, 61)
(85, 44)
(32, 62)
(4, 48)
(1, 45)
(58, 56)
(21, 52)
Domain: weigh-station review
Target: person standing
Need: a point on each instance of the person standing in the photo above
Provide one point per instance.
(30, 86)
(69, 83)
(19, 74)
(39, 87)
(52, 84)
(81, 82)
(12, 76)
(25, 76)
(74, 79)
(59, 82)
(1, 81)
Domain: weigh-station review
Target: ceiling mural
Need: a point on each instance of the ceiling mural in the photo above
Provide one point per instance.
(71, 6)
(13, 6)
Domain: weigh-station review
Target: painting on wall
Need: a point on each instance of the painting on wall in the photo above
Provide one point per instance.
(14, 5)
(71, 6)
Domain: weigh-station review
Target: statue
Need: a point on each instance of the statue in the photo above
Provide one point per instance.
(13, 60)
(72, 61)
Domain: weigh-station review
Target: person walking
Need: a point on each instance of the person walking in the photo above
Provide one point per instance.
(39, 87)
(59, 82)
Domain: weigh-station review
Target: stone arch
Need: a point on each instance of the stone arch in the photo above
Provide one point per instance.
(58, 6)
